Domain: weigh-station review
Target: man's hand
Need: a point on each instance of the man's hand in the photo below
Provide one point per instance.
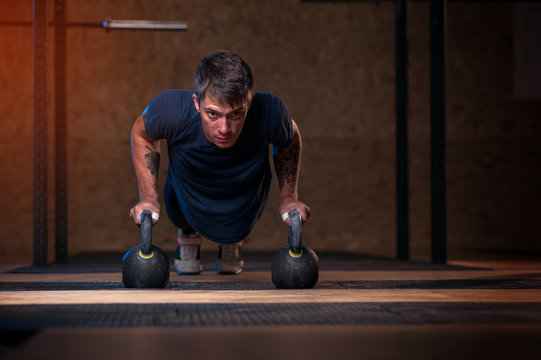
(146, 204)
(289, 204)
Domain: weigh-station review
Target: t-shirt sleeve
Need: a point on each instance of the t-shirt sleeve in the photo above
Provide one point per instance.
(280, 126)
(164, 115)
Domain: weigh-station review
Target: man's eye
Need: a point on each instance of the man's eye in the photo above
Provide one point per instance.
(211, 114)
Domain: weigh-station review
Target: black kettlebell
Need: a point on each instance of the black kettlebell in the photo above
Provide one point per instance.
(145, 266)
(295, 266)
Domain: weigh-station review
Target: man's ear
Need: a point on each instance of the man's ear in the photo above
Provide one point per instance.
(251, 97)
(195, 102)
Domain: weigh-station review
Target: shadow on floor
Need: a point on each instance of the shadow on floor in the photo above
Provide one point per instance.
(98, 262)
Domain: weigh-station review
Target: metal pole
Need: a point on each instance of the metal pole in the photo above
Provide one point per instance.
(61, 243)
(40, 133)
(437, 130)
(144, 24)
(402, 198)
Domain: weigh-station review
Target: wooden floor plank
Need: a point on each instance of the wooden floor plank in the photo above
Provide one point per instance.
(335, 275)
(264, 296)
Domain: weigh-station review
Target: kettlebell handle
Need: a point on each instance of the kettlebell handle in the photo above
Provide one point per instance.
(295, 232)
(146, 232)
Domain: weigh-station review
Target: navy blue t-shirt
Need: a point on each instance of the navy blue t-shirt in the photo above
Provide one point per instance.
(220, 191)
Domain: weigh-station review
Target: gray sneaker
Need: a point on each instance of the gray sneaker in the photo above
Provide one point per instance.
(229, 259)
(188, 254)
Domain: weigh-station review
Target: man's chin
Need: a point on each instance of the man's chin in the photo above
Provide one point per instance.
(224, 144)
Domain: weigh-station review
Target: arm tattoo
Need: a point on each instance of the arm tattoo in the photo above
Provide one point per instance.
(286, 164)
(153, 162)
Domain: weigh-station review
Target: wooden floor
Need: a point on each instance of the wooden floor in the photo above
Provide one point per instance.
(438, 338)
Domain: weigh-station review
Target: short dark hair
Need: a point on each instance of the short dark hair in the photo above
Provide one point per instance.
(224, 76)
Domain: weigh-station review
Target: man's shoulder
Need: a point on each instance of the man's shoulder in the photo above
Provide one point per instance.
(269, 103)
(170, 109)
(273, 117)
(174, 94)
(173, 101)
(265, 96)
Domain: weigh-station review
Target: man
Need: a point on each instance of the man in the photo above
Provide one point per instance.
(219, 176)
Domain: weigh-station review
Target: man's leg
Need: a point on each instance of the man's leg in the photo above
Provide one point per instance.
(230, 258)
(188, 253)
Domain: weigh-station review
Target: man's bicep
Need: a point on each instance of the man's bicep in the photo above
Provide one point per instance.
(139, 128)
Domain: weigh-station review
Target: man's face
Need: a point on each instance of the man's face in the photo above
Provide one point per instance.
(221, 123)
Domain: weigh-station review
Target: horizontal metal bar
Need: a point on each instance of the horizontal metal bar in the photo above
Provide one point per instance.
(145, 24)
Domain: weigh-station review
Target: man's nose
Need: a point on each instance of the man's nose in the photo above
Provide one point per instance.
(224, 126)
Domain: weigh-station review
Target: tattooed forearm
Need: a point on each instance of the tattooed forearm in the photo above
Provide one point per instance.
(286, 164)
(286, 175)
(153, 161)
